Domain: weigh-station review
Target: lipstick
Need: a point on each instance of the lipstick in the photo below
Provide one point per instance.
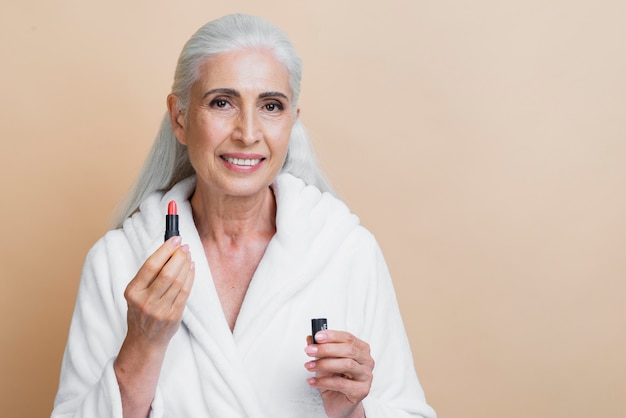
(318, 324)
(171, 221)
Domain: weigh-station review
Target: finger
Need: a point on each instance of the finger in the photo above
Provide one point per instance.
(153, 315)
(345, 346)
(172, 275)
(345, 367)
(355, 391)
(334, 336)
(181, 294)
(154, 264)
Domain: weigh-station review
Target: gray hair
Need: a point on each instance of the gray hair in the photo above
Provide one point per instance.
(168, 160)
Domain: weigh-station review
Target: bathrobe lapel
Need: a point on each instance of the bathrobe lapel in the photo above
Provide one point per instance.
(227, 390)
(309, 227)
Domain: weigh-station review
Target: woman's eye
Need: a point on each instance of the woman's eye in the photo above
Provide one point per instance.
(220, 103)
(273, 107)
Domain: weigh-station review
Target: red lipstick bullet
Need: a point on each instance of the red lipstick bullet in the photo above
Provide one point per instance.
(171, 221)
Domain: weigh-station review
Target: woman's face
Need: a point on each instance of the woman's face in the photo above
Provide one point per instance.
(238, 123)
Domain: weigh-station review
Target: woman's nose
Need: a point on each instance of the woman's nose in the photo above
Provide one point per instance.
(247, 128)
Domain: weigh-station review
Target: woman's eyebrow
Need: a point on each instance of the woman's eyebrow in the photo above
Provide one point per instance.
(226, 91)
(273, 94)
(235, 93)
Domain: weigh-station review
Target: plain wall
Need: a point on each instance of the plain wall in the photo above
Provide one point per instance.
(483, 142)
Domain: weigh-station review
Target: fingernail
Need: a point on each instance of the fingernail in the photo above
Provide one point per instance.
(311, 381)
(175, 241)
(310, 349)
(310, 365)
(321, 336)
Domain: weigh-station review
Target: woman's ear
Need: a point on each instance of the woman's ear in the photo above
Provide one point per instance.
(297, 115)
(177, 118)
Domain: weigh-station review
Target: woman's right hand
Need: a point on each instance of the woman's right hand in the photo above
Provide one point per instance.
(156, 299)
(157, 294)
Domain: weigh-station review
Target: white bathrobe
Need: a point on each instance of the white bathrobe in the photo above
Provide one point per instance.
(320, 264)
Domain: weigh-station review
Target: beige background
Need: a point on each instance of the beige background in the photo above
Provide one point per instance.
(483, 142)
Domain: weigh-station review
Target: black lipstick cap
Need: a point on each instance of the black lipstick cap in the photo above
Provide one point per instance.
(318, 324)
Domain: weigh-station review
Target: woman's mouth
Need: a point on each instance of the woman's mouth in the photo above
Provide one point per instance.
(245, 162)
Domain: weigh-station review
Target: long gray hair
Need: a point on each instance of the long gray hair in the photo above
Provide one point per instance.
(168, 161)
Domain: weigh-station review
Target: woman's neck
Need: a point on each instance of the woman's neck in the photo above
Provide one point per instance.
(225, 220)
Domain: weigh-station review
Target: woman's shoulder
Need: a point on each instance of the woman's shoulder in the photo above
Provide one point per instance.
(293, 194)
(113, 243)
(306, 214)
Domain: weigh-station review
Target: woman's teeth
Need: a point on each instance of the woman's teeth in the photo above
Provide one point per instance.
(242, 161)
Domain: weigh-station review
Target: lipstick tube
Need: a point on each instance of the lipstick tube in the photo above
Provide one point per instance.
(171, 221)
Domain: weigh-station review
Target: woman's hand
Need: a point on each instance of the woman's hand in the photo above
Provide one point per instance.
(343, 372)
(156, 300)
(157, 295)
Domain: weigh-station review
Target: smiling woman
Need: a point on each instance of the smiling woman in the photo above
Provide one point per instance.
(215, 326)
(240, 112)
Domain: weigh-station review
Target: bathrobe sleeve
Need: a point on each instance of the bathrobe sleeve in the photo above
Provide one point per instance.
(396, 391)
(88, 386)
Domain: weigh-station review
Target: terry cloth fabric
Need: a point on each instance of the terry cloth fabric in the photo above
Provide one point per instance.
(320, 263)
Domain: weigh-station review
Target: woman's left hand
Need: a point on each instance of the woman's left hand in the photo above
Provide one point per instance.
(343, 372)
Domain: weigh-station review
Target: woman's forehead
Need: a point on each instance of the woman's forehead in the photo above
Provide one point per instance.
(245, 69)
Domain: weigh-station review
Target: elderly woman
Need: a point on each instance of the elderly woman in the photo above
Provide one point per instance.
(213, 323)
